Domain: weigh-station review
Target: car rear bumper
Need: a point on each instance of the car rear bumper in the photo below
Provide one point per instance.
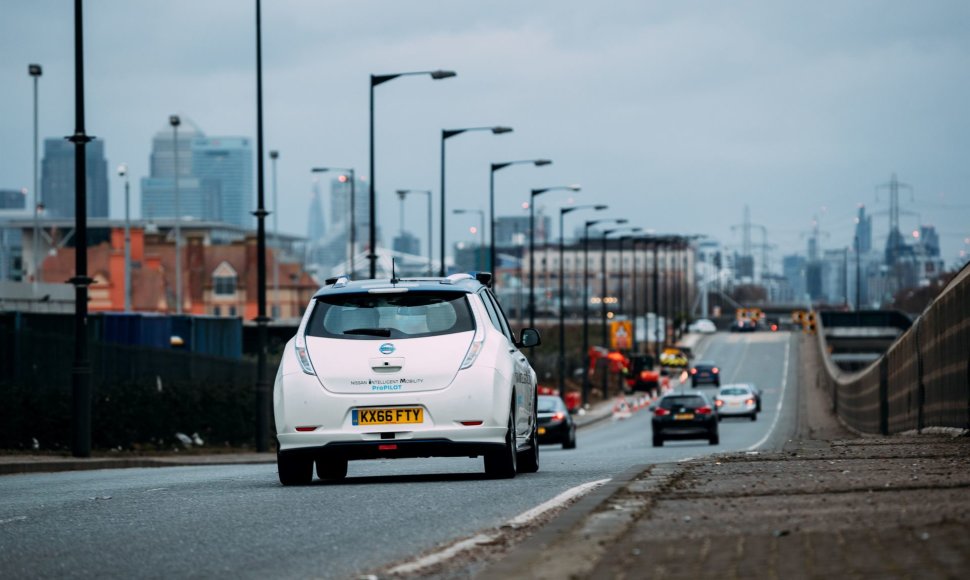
(736, 411)
(393, 449)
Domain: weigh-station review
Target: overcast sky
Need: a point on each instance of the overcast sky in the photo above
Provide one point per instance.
(676, 114)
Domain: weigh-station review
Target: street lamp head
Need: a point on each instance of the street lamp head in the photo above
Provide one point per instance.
(174, 120)
(34, 70)
(442, 74)
(122, 170)
(498, 130)
(541, 162)
(274, 154)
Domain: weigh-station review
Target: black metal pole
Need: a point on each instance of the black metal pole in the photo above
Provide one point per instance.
(491, 225)
(619, 301)
(372, 196)
(633, 308)
(562, 315)
(586, 314)
(81, 371)
(441, 267)
(262, 384)
(606, 343)
(532, 261)
(353, 222)
(656, 300)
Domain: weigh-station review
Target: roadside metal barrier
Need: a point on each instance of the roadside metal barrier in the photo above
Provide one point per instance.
(922, 381)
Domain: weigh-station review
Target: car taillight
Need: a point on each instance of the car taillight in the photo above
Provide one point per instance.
(693, 371)
(714, 370)
(719, 403)
(299, 343)
(661, 412)
(704, 410)
(774, 327)
(749, 402)
(559, 416)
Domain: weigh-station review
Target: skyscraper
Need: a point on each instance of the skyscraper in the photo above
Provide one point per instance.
(215, 177)
(229, 161)
(863, 230)
(57, 178)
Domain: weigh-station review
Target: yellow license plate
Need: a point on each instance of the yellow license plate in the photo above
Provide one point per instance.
(395, 416)
(542, 430)
(683, 416)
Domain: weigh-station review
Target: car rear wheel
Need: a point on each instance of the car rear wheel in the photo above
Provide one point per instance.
(501, 464)
(331, 468)
(754, 416)
(294, 470)
(714, 439)
(658, 441)
(528, 461)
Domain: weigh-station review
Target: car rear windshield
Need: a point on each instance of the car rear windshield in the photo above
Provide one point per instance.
(735, 391)
(382, 316)
(690, 402)
(550, 404)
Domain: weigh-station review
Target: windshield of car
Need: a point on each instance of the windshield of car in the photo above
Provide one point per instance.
(549, 404)
(382, 316)
(704, 364)
(687, 401)
(735, 391)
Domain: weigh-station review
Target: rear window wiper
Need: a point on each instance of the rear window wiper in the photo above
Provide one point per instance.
(386, 332)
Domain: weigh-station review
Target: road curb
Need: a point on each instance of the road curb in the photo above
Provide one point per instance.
(54, 466)
(523, 556)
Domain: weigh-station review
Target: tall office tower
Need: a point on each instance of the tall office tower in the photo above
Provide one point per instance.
(215, 177)
(57, 178)
(13, 199)
(316, 227)
(863, 230)
(229, 161)
(340, 207)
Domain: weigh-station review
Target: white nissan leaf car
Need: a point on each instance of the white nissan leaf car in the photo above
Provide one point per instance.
(405, 368)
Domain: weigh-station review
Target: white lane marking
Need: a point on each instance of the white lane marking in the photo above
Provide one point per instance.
(521, 520)
(684, 459)
(527, 517)
(13, 519)
(740, 365)
(781, 399)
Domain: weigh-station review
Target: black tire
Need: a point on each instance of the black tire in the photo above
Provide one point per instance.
(658, 441)
(754, 416)
(758, 406)
(719, 418)
(570, 441)
(294, 470)
(501, 464)
(714, 439)
(528, 461)
(693, 384)
(331, 469)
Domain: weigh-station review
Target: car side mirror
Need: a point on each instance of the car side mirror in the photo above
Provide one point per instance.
(530, 338)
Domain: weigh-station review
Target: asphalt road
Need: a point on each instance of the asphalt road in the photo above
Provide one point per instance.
(238, 521)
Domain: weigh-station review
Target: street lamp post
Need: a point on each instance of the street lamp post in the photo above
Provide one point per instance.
(445, 135)
(403, 193)
(491, 204)
(532, 242)
(656, 299)
(263, 387)
(35, 71)
(481, 231)
(374, 81)
(273, 156)
(174, 121)
(123, 172)
(352, 242)
(586, 361)
(562, 301)
(603, 298)
(81, 371)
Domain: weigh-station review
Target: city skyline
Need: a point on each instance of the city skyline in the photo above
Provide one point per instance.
(702, 107)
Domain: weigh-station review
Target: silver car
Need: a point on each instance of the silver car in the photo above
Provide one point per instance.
(736, 401)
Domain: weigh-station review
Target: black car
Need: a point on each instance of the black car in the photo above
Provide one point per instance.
(680, 416)
(705, 372)
(555, 423)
